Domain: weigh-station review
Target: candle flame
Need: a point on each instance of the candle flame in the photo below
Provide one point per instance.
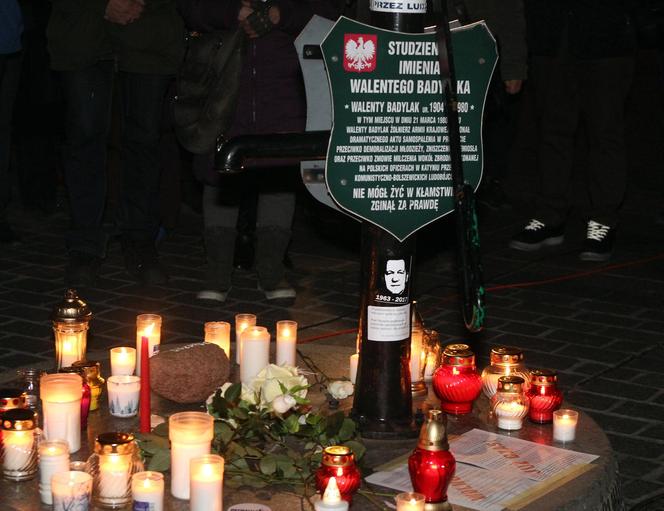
(332, 494)
(565, 416)
(340, 472)
(146, 483)
(412, 502)
(148, 329)
(66, 346)
(207, 470)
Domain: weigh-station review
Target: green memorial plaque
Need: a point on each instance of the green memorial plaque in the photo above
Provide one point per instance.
(388, 161)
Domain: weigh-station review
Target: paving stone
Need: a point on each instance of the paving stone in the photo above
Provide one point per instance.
(638, 467)
(17, 359)
(621, 309)
(595, 401)
(647, 411)
(638, 490)
(590, 353)
(623, 425)
(605, 319)
(569, 324)
(656, 432)
(639, 447)
(620, 389)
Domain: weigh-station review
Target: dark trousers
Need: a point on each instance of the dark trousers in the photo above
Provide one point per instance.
(10, 73)
(568, 91)
(88, 94)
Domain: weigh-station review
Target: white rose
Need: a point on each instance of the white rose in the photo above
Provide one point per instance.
(248, 394)
(282, 404)
(267, 382)
(340, 389)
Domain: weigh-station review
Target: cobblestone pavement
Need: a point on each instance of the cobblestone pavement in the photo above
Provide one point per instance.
(599, 325)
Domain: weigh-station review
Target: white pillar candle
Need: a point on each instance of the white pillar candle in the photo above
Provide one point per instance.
(70, 342)
(207, 479)
(147, 489)
(354, 360)
(331, 500)
(147, 325)
(219, 333)
(410, 501)
(61, 408)
(114, 475)
(242, 321)
(255, 352)
(71, 490)
(416, 356)
(510, 415)
(287, 343)
(123, 392)
(564, 425)
(53, 459)
(190, 434)
(123, 361)
(19, 450)
(70, 351)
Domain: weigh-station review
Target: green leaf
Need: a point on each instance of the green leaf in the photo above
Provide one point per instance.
(334, 423)
(253, 452)
(298, 388)
(292, 424)
(233, 392)
(161, 430)
(223, 431)
(357, 448)
(268, 465)
(220, 405)
(283, 388)
(240, 414)
(347, 430)
(161, 461)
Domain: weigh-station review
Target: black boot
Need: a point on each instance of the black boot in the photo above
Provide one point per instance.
(219, 250)
(142, 262)
(271, 245)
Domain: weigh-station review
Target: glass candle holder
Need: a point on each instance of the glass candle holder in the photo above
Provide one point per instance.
(71, 320)
(206, 483)
(20, 444)
(191, 435)
(509, 404)
(147, 325)
(456, 382)
(29, 381)
(114, 461)
(255, 352)
(564, 425)
(53, 459)
(505, 361)
(286, 343)
(339, 462)
(417, 361)
(123, 361)
(71, 490)
(433, 353)
(61, 395)
(219, 333)
(543, 395)
(91, 373)
(123, 392)
(242, 322)
(410, 501)
(147, 490)
(354, 361)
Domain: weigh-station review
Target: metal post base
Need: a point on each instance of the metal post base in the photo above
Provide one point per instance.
(382, 430)
(437, 506)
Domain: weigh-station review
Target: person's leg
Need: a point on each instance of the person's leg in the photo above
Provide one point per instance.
(88, 97)
(10, 72)
(143, 96)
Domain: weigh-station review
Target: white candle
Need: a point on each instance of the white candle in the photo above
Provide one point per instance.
(71, 490)
(19, 450)
(287, 343)
(510, 414)
(430, 366)
(123, 361)
(416, 356)
(147, 489)
(123, 392)
(331, 500)
(147, 325)
(255, 352)
(410, 501)
(219, 333)
(354, 360)
(564, 425)
(114, 474)
(53, 459)
(207, 478)
(69, 351)
(242, 321)
(61, 408)
(190, 434)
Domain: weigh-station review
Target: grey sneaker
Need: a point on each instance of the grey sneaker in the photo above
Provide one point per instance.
(213, 295)
(598, 246)
(282, 291)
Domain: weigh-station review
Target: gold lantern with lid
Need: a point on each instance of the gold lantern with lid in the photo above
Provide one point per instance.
(71, 319)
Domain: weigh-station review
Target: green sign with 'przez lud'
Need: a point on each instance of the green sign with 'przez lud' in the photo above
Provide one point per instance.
(388, 161)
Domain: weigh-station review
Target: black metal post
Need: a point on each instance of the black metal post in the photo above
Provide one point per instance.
(382, 402)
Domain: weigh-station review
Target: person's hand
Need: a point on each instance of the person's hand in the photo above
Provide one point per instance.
(513, 86)
(124, 12)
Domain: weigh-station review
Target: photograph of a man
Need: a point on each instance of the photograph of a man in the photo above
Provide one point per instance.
(396, 276)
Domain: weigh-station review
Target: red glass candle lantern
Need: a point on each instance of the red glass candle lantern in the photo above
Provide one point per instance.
(10, 399)
(432, 465)
(544, 395)
(457, 383)
(339, 462)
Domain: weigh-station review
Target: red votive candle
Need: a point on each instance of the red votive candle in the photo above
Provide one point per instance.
(144, 402)
(457, 383)
(545, 397)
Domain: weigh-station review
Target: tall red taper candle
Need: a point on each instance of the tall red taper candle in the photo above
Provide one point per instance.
(144, 413)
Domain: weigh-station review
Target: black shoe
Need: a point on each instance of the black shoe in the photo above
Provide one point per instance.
(82, 270)
(8, 236)
(536, 235)
(599, 242)
(492, 195)
(142, 263)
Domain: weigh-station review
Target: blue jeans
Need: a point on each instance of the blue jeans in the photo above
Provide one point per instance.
(89, 94)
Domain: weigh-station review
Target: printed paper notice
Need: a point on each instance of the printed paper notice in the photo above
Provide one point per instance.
(388, 323)
(499, 452)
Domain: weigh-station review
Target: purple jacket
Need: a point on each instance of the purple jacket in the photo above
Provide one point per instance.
(271, 97)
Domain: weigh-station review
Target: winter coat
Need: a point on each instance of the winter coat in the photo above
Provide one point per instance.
(79, 36)
(271, 97)
(11, 27)
(595, 29)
